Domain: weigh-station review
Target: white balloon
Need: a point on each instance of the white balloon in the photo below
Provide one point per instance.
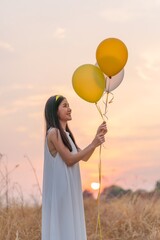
(113, 82)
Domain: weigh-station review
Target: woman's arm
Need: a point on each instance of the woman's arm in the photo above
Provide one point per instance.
(71, 158)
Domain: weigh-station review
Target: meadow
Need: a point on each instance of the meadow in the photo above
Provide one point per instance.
(132, 216)
(126, 218)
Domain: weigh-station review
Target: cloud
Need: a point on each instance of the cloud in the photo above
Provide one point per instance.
(6, 46)
(152, 58)
(34, 96)
(60, 33)
(115, 15)
(7, 111)
(149, 64)
(131, 11)
(18, 86)
(27, 102)
(21, 129)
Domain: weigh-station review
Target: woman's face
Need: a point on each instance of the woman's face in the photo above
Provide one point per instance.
(64, 111)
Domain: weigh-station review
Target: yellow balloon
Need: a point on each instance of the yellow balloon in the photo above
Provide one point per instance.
(88, 82)
(111, 55)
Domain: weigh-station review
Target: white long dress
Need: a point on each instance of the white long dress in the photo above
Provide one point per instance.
(62, 202)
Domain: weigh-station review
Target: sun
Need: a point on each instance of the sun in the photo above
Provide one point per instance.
(95, 185)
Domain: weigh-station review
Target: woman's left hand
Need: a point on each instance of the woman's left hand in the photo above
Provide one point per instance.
(102, 129)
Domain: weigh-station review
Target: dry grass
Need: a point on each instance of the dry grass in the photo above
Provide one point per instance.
(127, 218)
(132, 217)
(20, 223)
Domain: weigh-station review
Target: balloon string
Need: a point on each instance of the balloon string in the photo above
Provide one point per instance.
(106, 102)
(98, 227)
(98, 198)
(107, 91)
(100, 112)
(110, 101)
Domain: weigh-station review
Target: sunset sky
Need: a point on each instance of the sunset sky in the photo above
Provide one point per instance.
(41, 45)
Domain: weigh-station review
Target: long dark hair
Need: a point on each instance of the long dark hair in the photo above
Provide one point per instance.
(52, 120)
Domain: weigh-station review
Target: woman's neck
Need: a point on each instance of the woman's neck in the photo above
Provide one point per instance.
(63, 124)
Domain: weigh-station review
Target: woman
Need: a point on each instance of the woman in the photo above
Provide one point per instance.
(62, 202)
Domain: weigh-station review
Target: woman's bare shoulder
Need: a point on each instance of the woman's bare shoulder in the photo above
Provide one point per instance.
(52, 130)
(52, 133)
